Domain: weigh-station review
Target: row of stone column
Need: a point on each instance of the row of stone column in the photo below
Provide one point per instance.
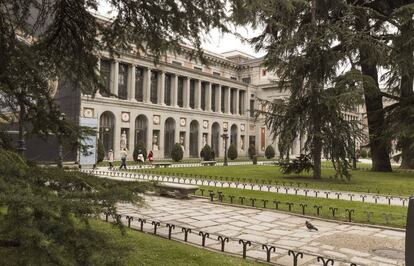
(231, 101)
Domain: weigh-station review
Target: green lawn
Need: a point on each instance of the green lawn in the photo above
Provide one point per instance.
(397, 213)
(146, 249)
(152, 250)
(396, 183)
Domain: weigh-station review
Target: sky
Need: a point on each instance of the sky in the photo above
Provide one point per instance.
(215, 41)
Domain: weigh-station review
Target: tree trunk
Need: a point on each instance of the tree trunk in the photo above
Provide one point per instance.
(316, 157)
(407, 93)
(373, 102)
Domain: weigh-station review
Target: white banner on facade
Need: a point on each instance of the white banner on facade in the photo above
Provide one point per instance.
(90, 157)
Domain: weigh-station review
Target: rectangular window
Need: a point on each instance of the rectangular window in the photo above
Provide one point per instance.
(203, 95)
(251, 108)
(176, 63)
(213, 97)
(198, 68)
(180, 92)
(223, 90)
(139, 84)
(105, 73)
(167, 89)
(123, 82)
(216, 73)
(154, 87)
(246, 80)
(233, 78)
(192, 94)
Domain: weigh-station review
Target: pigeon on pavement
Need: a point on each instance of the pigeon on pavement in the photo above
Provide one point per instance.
(310, 226)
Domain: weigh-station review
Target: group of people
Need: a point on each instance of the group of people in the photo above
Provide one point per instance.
(124, 156)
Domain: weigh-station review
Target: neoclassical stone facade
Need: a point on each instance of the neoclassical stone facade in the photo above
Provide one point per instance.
(179, 100)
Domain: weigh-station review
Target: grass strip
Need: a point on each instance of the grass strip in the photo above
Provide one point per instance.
(397, 214)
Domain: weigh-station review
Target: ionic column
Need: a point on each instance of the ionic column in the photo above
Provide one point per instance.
(174, 90)
(98, 71)
(218, 99)
(208, 97)
(147, 85)
(131, 84)
(227, 100)
(237, 105)
(246, 102)
(187, 93)
(187, 140)
(115, 76)
(161, 87)
(197, 95)
(117, 136)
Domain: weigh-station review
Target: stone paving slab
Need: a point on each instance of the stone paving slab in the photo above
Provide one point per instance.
(352, 243)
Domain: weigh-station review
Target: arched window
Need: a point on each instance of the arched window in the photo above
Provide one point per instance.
(233, 135)
(215, 138)
(194, 139)
(141, 125)
(106, 131)
(169, 136)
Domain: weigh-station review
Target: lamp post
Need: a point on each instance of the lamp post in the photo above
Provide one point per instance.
(225, 137)
(60, 156)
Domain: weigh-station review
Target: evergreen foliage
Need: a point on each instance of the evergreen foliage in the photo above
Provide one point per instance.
(303, 163)
(270, 152)
(139, 148)
(232, 152)
(300, 38)
(207, 153)
(177, 152)
(101, 151)
(46, 219)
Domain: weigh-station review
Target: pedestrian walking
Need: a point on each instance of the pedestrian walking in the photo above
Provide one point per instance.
(111, 159)
(124, 156)
(150, 157)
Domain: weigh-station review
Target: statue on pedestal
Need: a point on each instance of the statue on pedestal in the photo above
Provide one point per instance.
(204, 140)
(155, 146)
(124, 143)
(182, 142)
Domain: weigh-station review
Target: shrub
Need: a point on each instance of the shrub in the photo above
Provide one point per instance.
(101, 151)
(269, 152)
(251, 151)
(363, 153)
(207, 153)
(139, 148)
(232, 152)
(177, 152)
(297, 166)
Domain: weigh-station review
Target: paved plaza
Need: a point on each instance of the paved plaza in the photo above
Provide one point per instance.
(344, 242)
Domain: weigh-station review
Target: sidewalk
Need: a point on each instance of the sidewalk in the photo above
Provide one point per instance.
(342, 242)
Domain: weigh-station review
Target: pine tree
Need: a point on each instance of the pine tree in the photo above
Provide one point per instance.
(46, 221)
(300, 39)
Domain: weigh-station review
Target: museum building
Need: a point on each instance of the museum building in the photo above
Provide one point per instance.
(178, 100)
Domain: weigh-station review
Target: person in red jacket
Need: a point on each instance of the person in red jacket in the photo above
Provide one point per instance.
(150, 157)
